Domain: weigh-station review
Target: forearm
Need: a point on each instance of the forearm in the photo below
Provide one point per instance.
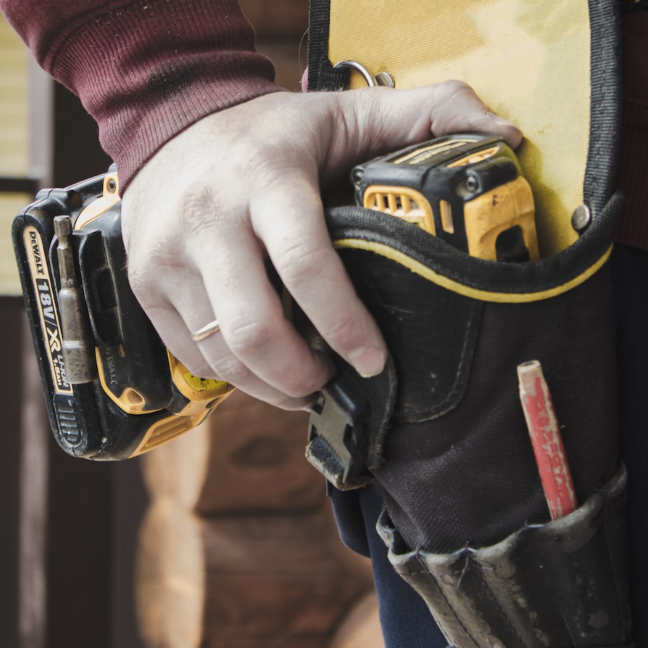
(145, 70)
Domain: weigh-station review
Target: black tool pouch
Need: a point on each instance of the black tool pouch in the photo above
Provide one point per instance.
(450, 441)
(446, 438)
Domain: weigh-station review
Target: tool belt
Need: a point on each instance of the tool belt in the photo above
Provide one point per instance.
(442, 430)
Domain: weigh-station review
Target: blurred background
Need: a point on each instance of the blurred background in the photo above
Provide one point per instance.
(221, 539)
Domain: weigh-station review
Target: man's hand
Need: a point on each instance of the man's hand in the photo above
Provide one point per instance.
(242, 184)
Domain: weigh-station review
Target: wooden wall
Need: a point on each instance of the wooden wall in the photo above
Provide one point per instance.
(14, 143)
(238, 548)
(281, 27)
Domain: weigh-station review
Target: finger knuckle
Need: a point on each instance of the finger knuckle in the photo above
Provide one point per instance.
(341, 332)
(141, 283)
(290, 404)
(297, 385)
(150, 270)
(299, 261)
(249, 339)
(230, 369)
(202, 208)
(452, 87)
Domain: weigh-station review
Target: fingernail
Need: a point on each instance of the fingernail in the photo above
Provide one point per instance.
(511, 133)
(368, 361)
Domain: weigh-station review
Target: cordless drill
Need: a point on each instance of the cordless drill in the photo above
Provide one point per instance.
(112, 388)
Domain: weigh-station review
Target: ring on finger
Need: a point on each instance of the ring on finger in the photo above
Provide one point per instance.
(206, 331)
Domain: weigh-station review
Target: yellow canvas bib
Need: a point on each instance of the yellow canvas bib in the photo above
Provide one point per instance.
(548, 67)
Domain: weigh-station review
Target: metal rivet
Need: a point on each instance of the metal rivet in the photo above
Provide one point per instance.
(472, 184)
(385, 79)
(581, 218)
(357, 175)
(111, 186)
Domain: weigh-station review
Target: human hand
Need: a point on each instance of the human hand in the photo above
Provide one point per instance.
(244, 184)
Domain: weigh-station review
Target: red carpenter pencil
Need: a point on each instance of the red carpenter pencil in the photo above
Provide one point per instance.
(546, 440)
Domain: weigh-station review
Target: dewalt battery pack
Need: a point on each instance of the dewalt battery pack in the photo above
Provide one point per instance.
(113, 390)
(467, 189)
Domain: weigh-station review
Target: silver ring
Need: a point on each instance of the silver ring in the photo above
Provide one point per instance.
(206, 331)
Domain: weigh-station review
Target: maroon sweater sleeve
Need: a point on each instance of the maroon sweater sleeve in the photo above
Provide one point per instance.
(144, 69)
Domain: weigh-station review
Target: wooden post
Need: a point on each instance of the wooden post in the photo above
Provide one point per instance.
(238, 548)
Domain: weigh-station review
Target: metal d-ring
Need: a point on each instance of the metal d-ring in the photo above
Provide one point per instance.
(381, 79)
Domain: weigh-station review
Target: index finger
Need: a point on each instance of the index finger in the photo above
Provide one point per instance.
(289, 219)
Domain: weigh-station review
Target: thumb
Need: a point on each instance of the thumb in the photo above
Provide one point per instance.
(380, 120)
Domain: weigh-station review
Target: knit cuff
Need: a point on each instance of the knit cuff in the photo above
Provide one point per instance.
(146, 70)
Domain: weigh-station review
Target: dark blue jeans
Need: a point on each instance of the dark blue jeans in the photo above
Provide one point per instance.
(405, 619)
(631, 281)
